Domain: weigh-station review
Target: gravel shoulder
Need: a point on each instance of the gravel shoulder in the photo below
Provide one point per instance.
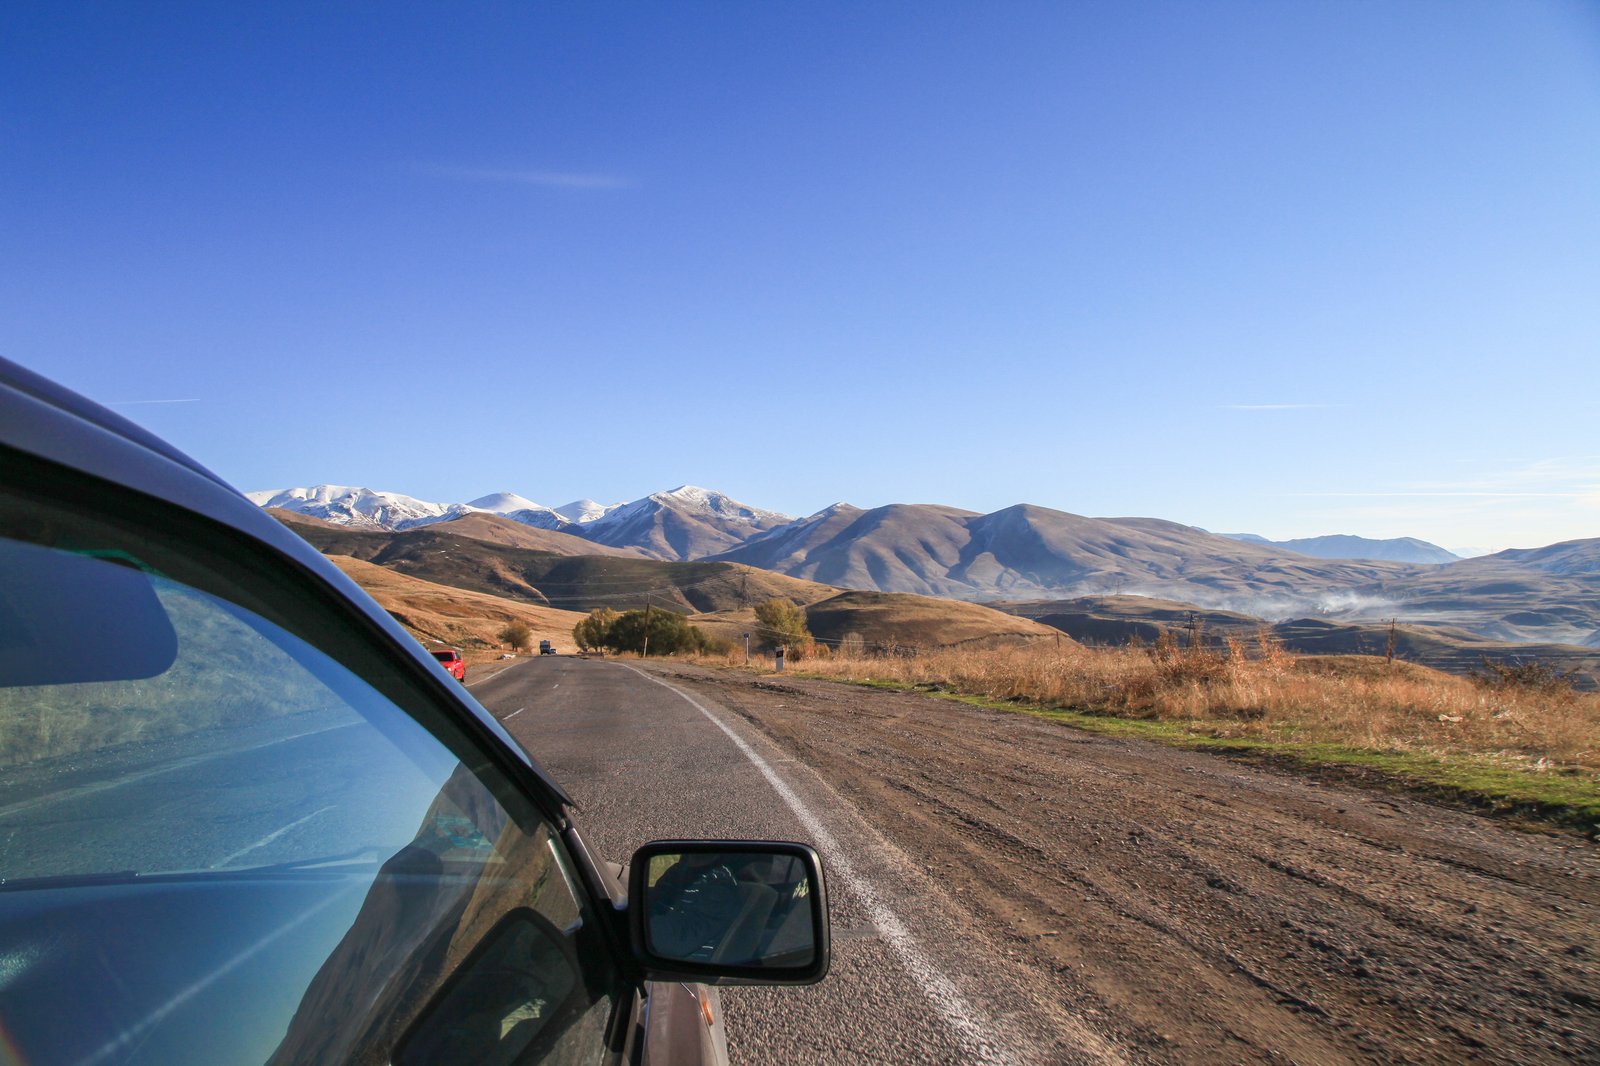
(1196, 909)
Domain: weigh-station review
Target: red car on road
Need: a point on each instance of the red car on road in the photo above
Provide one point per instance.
(451, 659)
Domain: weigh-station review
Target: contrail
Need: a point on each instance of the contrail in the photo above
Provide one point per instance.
(135, 403)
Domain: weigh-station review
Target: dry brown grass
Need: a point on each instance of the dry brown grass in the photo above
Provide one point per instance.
(441, 614)
(1261, 691)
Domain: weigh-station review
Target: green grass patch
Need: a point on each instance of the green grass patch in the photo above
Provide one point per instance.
(1524, 796)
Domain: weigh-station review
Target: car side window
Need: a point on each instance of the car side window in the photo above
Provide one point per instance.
(230, 831)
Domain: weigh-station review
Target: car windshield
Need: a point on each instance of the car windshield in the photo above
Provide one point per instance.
(217, 830)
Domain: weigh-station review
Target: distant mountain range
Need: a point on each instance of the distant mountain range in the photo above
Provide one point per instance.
(1028, 552)
(684, 523)
(361, 508)
(1340, 546)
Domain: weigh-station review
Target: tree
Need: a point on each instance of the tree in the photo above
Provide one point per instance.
(779, 622)
(669, 633)
(593, 632)
(517, 634)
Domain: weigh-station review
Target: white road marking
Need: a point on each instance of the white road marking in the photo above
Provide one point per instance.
(269, 838)
(513, 714)
(940, 990)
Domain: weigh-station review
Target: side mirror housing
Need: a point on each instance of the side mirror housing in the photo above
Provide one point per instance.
(729, 912)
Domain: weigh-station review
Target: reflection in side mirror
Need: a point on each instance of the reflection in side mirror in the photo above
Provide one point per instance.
(729, 912)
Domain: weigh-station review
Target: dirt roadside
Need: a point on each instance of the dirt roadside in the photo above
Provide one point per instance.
(1197, 909)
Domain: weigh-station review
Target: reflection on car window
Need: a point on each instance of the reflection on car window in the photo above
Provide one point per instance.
(220, 843)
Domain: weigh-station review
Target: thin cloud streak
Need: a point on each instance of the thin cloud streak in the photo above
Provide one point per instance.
(1516, 503)
(137, 403)
(1557, 477)
(1452, 495)
(548, 179)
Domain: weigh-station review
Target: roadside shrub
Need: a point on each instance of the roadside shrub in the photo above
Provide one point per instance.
(1529, 675)
(591, 634)
(1179, 665)
(706, 644)
(668, 633)
(517, 635)
(779, 622)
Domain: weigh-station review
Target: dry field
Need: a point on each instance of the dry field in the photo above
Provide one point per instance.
(1508, 745)
(440, 614)
(1265, 693)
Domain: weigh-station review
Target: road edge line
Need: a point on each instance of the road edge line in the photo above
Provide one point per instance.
(946, 998)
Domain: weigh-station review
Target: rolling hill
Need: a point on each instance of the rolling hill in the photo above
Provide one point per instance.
(1025, 551)
(439, 554)
(445, 615)
(490, 528)
(1548, 595)
(448, 587)
(897, 619)
(892, 622)
(1116, 620)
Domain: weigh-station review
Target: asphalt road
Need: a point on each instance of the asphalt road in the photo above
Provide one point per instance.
(910, 982)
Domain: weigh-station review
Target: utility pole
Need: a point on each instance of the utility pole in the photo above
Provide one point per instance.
(744, 600)
(646, 653)
(1389, 655)
(747, 649)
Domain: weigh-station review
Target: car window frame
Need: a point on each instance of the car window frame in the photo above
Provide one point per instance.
(357, 641)
(409, 678)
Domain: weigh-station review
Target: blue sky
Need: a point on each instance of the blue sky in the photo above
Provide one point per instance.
(1283, 268)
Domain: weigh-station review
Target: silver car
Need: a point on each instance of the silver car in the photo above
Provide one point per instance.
(246, 818)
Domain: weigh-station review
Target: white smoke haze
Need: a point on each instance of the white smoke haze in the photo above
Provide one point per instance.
(1265, 606)
(1358, 605)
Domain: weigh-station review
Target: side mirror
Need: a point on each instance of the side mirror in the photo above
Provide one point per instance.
(745, 912)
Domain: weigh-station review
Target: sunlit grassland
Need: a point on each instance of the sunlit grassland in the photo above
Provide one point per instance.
(1503, 743)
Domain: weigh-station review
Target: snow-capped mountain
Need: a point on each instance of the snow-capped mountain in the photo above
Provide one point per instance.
(505, 503)
(585, 510)
(359, 508)
(684, 523)
(521, 509)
